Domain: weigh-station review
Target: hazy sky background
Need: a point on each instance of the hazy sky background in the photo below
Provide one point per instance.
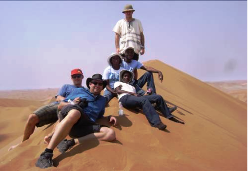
(41, 42)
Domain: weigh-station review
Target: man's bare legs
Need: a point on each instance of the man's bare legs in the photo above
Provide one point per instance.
(63, 128)
(28, 130)
(48, 137)
(105, 134)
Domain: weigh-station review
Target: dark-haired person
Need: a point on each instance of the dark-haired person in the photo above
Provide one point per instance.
(78, 116)
(48, 114)
(111, 75)
(130, 99)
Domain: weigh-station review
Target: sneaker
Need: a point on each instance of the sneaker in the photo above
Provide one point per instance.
(161, 126)
(65, 145)
(172, 109)
(45, 160)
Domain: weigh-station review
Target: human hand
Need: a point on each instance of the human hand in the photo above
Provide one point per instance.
(142, 51)
(77, 100)
(118, 50)
(160, 76)
(113, 120)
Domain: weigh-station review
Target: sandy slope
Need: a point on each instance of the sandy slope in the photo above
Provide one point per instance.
(237, 89)
(213, 138)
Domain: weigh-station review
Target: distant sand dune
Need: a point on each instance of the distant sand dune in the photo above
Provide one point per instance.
(213, 138)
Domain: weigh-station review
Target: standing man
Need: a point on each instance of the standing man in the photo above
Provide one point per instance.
(48, 114)
(78, 118)
(129, 32)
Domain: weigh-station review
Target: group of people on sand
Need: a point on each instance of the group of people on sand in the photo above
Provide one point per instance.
(78, 108)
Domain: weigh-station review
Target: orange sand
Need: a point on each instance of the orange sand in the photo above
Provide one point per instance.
(213, 138)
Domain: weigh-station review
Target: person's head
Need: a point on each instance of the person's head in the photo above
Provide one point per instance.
(126, 76)
(96, 84)
(129, 53)
(114, 60)
(128, 11)
(77, 77)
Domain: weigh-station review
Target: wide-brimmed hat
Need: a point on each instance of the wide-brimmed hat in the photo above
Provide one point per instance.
(96, 77)
(76, 71)
(122, 72)
(112, 55)
(128, 7)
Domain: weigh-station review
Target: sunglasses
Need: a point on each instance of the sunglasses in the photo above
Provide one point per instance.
(76, 76)
(97, 83)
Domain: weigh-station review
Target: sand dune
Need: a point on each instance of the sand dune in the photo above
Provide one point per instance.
(213, 138)
(237, 89)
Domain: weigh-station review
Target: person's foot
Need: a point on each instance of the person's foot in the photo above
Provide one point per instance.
(172, 109)
(161, 126)
(149, 91)
(13, 146)
(47, 139)
(45, 160)
(176, 120)
(65, 145)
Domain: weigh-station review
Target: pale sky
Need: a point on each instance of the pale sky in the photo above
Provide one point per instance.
(41, 42)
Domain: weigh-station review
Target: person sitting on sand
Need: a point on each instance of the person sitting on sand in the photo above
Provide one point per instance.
(130, 99)
(132, 65)
(48, 114)
(111, 75)
(78, 116)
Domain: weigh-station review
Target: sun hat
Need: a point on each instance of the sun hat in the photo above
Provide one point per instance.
(122, 72)
(112, 55)
(128, 7)
(96, 77)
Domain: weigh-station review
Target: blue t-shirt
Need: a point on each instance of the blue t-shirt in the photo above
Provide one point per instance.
(132, 65)
(66, 90)
(96, 104)
(112, 75)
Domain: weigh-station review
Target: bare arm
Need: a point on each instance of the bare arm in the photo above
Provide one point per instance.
(62, 103)
(109, 88)
(142, 40)
(153, 70)
(119, 91)
(117, 41)
(135, 72)
(59, 98)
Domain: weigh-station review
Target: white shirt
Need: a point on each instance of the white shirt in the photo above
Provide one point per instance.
(129, 34)
(125, 87)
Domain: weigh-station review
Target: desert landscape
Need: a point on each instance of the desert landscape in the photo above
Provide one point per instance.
(214, 136)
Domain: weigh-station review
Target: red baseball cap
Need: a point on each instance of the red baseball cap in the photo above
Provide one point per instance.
(76, 71)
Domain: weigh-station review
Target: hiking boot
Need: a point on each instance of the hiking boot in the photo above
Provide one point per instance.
(45, 160)
(65, 145)
(161, 126)
(172, 109)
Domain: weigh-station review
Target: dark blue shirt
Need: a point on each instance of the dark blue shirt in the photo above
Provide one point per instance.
(96, 104)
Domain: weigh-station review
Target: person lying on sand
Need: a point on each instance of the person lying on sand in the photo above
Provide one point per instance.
(48, 114)
(130, 99)
(78, 119)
